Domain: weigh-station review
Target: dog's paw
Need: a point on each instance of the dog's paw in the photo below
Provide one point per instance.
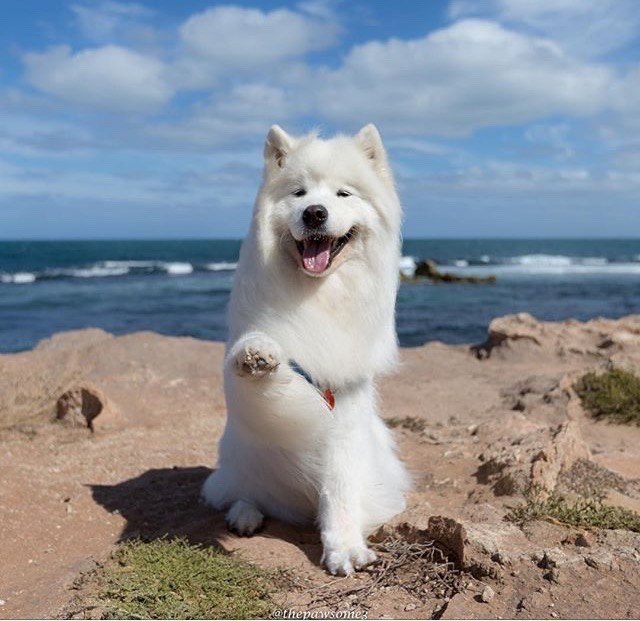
(344, 561)
(257, 356)
(244, 518)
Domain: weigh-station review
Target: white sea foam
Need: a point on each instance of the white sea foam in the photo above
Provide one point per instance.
(559, 268)
(98, 271)
(19, 278)
(542, 260)
(178, 268)
(221, 266)
(461, 263)
(127, 264)
(407, 266)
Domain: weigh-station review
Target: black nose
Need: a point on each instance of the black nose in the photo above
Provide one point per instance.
(314, 216)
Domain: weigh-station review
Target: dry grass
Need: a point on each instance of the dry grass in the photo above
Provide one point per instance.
(420, 569)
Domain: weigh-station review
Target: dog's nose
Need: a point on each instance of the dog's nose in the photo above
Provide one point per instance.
(314, 216)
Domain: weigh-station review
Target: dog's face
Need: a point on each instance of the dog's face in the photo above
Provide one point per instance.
(328, 200)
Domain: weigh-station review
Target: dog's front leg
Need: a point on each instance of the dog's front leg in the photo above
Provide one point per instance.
(255, 355)
(340, 508)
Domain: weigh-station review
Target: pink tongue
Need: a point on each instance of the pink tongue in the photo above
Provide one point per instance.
(315, 255)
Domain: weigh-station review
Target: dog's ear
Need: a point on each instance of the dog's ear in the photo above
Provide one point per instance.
(277, 146)
(368, 139)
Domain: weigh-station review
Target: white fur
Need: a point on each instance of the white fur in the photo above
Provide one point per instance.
(284, 453)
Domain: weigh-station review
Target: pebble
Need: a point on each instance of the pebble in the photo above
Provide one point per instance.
(410, 607)
(487, 594)
(553, 575)
(2, 602)
(583, 540)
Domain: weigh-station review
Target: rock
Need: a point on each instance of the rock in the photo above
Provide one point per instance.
(429, 269)
(515, 335)
(508, 330)
(564, 449)
(81, 406)
(410, 607)
(530, 454)
(450, 534)
(553, 575)
(74, 339)
(584, 540)
(553, 558)
(487, 594)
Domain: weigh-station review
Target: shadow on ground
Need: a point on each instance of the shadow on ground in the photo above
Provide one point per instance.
(165, 502)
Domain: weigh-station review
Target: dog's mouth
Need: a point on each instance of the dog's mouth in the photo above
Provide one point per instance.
(318, 251)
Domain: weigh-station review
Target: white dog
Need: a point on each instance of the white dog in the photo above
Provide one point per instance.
(311, 322)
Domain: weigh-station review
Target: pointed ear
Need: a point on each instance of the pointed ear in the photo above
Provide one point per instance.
(277, 146)
(368, 139)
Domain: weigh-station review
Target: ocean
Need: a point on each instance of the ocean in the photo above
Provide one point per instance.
(181, 287)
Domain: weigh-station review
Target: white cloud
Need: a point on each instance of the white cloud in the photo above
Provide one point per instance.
(106, 21)
(584, 28)
(110, 77)
(234, 37)
(232, 41)
(241, 114)
(472, 74)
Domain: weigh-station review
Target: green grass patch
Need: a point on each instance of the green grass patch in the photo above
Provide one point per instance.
(171, 579)
(613, 395)
(584, 512)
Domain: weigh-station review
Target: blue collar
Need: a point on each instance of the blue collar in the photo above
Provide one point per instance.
(300, 371)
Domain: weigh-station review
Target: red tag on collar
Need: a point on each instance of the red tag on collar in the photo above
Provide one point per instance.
(330, 398)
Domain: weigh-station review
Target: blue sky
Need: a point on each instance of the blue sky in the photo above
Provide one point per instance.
(502, 117)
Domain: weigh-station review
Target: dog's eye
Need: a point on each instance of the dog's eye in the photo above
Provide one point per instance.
(300, 192)
(343, 193)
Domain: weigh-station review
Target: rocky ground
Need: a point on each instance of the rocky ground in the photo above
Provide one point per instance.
(477, 427)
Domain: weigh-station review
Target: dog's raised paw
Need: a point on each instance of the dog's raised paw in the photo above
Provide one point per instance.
(244, 518)
(257, 357)
(344, 561)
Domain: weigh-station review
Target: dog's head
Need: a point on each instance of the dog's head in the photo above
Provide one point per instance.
(326, 201)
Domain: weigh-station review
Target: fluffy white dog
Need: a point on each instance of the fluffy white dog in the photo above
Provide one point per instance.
(311, 322)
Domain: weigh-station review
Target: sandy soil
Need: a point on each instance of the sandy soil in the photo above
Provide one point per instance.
(475, 426)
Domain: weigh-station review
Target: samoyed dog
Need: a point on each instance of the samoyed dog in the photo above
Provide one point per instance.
(311, 321)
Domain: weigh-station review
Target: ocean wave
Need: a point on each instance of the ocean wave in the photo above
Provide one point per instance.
(558, 269)
(221, 266)
(98, 271)
(19, 278)
(553, 260)
(114, 268)
(178, 268)
(408, 266)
